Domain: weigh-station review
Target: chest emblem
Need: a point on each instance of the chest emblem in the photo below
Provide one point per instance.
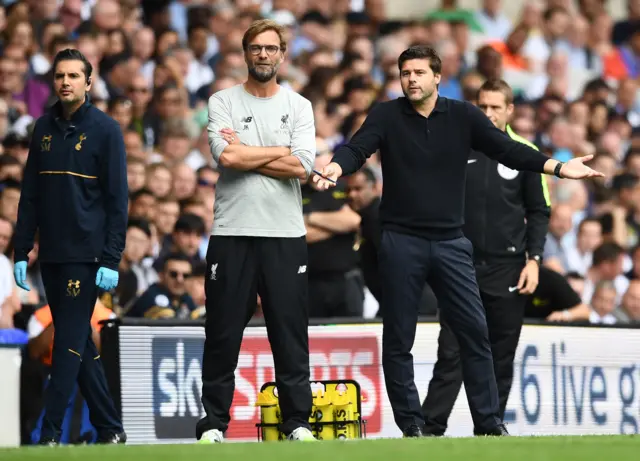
(507, 173)
(284, 121)
(45, 144)
(80, 140)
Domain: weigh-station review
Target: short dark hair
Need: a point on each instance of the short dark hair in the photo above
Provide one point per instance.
(118, 100)
(176, 256)
(624, 181)
(139, 193)
(421, 52)
(369, 175)
(498, 86)
(607, 252)
(587, 220)
(71, 54)
(140, 223)
(189, 223)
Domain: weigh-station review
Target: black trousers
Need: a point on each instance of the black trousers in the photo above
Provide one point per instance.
(336, 295)
(71, 291)
(406, 262)
(239, 268)
(505, 314)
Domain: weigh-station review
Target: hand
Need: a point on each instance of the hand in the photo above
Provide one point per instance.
(529, 278)
(576, 169)
(559, 316)
(107, 279)
(332, 171)
(20, 275)
(230, 136)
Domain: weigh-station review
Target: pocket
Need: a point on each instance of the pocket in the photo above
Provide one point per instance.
(467, 246)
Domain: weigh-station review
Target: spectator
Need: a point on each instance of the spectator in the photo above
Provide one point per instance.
(186, 239)
(168, 298)
(589, 237)
(560, 238)
(603, 303)
(335, 286)
(629, 310)
(9, 200)
(135, 277)
(606, 267)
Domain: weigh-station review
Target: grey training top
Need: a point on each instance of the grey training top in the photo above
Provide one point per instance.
(249, 203)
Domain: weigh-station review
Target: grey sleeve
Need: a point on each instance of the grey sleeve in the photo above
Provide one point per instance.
(303, 139)
(219, 118)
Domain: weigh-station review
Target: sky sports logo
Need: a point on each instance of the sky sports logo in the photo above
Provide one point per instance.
(177, 380)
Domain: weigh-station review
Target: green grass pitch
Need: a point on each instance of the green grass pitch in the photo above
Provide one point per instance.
(585, 448)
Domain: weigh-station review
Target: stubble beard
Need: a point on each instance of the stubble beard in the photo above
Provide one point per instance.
(263, 76)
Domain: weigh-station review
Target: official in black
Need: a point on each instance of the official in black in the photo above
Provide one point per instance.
(74, 194)
(506, 220)
(424, 142)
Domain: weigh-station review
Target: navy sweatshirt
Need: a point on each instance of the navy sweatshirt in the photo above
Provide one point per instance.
(74, 191)
(424, 162)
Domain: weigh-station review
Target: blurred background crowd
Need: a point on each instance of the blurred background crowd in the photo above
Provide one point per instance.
(575, 70)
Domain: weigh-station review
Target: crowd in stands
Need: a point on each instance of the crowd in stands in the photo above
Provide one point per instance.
(575, 73)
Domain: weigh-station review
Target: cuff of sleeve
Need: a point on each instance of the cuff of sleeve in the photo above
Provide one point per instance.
(109, 265)
(20, 256)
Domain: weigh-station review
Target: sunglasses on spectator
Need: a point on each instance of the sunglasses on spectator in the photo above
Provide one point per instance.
(205, 183)
(257, 49)
(175, 275)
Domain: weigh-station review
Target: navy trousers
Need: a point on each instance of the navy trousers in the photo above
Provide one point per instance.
(71, 292)
(406, 262)
(505, 314)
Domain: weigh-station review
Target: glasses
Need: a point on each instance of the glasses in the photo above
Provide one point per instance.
(205, 183)
(257, 49)
(176, 275)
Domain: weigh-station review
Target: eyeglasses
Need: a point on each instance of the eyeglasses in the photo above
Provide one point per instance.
(175, 275)
(205, 183)
(257, 49)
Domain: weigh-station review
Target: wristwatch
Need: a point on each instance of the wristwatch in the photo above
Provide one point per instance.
(535, 258)
(556, 170)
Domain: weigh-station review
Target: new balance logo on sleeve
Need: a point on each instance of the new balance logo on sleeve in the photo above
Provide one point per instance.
(302, 269)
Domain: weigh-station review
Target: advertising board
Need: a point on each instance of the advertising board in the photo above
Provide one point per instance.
(567, 380)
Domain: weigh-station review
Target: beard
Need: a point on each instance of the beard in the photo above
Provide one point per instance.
(420, 97)
(263, 74)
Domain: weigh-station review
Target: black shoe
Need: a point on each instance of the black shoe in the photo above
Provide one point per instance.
(113, 439)
(499, 431)
(48, 442)
(413, 431)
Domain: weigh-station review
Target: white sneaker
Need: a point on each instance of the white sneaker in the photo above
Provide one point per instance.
(212, 436)
(302, 434)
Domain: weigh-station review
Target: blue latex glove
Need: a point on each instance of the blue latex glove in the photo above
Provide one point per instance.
(107, 279)
(20, 275)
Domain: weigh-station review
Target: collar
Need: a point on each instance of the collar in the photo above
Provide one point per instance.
(77, 116)
(441, 105)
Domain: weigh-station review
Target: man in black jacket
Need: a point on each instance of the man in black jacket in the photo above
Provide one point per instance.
(424, 142)
(506, 219)
(75, 195)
